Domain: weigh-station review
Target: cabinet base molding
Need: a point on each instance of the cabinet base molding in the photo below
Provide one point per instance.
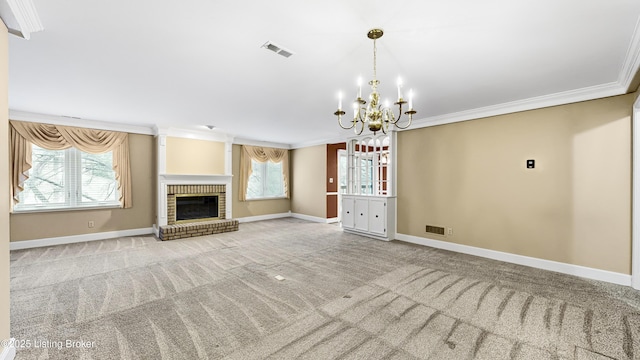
(367, 234)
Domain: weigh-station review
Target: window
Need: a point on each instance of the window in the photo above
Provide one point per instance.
(69, 178)
(266, 181)
(342, 171)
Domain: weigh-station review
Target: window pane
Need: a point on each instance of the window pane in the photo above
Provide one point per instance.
(46, 183)
(67, 179)
(274, 186)
(255, 188)
(98, 178)
(266, 180)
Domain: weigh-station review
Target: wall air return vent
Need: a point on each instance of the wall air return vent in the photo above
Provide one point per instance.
(277, 49)
(435, 230)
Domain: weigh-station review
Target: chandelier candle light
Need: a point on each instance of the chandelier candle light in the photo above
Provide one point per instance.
(375, 116)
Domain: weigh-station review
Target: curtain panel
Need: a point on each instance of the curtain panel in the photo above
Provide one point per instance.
(58, 137)
(261, 154)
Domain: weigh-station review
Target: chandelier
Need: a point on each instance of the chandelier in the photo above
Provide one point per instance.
(375, 116)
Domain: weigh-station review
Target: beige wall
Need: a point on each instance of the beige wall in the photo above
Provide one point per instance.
(192, 156)
(242, 209)
(4, 187)
(67, 223)
(308, 189)
(574, 207)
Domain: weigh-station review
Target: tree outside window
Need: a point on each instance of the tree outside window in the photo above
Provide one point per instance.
(266, 181)
(67, 179)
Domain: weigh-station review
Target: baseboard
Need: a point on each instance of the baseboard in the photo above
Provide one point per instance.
(309, 218)
(263, 217)
(564, 268)
(288, 214)
(27, 244)
(9, 353)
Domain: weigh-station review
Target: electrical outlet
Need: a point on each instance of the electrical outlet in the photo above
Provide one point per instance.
(449, 231)
(330, 180)
(91, 223)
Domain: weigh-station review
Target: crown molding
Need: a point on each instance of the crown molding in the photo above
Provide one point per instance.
(207, 135)
(85, 123)
(631, 63)
(539, 102)
(333, 140)
(21, 17)
(244, 141)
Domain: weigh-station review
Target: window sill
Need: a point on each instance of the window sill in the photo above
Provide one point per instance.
(75, 208)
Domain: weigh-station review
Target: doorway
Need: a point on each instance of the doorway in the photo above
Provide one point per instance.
(342, 179)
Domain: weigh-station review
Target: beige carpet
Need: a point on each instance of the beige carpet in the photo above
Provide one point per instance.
(343, 297)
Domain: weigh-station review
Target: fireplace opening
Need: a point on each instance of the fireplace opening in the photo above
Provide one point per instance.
(197, 207)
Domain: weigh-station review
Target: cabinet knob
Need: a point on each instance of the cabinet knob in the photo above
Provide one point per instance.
(376, 215)
(361, 214)
(347, 212)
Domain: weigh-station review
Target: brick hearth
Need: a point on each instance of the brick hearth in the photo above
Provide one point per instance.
(201, 228)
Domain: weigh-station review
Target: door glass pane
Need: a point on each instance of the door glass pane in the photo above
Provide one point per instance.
(342, 171)
(366, 176)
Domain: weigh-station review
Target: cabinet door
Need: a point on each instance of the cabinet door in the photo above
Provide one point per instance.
(377, 216)
(362, 214)
(348, 213)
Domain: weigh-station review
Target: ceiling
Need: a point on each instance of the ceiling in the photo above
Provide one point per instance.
(193, 63)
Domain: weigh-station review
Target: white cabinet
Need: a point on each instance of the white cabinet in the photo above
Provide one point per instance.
(348, 219)
(369, 215)
(369, 204)
(378, 216)
(362, 214)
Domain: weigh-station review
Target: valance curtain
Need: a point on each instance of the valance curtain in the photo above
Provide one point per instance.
(58, 137)
(261, 154)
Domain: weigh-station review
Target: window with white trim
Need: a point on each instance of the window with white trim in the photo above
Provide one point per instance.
(60, 179)
(266, 181)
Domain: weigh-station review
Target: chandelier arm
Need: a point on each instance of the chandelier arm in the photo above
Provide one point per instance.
(360, 118)
(408, 124)
(355, 128)
(395, 121)
(353, 123)
(386, 121)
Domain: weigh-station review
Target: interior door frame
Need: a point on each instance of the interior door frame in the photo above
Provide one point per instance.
(341, 153)
(635, 197)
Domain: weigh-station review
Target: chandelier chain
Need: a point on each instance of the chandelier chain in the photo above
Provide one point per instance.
(374, 60)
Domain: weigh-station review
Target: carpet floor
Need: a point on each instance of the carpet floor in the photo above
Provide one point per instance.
(343, 297)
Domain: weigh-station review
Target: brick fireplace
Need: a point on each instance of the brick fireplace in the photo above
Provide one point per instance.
(177, 190)
(174, 228)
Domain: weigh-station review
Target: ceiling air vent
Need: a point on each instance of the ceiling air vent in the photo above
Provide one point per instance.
(277, 49)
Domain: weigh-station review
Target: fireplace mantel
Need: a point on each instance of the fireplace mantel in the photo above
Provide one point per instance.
(194, 179)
